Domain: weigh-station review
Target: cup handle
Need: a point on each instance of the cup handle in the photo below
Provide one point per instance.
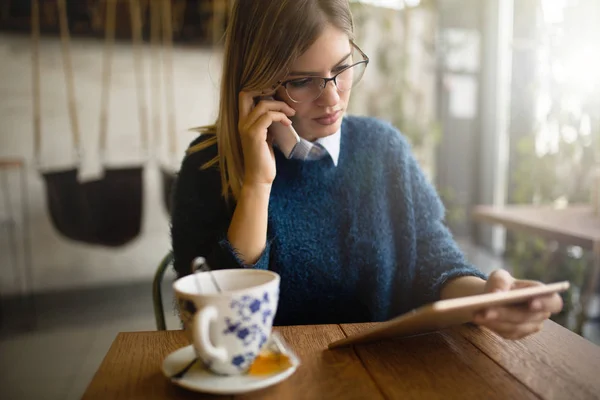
(201, 333)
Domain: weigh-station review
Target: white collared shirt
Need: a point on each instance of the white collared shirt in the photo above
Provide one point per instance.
(305, 150)
(331, 143)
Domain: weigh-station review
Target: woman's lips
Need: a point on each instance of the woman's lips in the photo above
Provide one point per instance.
(329, 119)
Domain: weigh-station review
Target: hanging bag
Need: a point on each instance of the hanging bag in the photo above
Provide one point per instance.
(106, 211)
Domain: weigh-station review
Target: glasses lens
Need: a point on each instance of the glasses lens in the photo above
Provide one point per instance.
(308, 89)
(350, 76)
(304, 89)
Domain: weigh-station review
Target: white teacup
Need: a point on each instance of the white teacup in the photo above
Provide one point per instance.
(228, 327)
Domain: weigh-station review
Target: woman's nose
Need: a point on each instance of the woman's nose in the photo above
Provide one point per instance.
(329, 96)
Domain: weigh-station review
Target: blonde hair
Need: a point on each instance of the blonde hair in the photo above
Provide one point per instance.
(263, 39)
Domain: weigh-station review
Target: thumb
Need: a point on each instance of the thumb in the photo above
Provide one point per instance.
(499, 281)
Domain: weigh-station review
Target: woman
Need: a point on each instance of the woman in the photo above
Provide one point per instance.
(351, 224)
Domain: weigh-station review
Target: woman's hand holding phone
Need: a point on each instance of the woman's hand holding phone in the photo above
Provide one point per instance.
(254, 121)
(247, 231)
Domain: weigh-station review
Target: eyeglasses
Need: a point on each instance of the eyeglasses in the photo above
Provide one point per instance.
(302, 90)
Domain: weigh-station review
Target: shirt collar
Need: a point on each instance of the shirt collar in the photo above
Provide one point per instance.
(305, 150)
(331, 143)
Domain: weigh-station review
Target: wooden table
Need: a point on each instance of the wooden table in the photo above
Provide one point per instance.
(464, 362)
(575, 225)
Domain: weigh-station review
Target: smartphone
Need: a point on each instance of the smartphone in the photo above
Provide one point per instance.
(284, 137)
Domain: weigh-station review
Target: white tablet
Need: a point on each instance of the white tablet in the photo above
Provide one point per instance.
(445, 313)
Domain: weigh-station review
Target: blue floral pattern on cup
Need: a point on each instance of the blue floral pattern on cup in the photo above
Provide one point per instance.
(242, 327)
(247, 306)
(267, 316)
(246, 333)
(242, 361)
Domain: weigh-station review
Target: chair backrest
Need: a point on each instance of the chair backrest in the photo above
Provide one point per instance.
(159, 311)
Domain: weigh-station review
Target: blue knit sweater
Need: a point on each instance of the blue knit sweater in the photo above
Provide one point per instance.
(363, 241)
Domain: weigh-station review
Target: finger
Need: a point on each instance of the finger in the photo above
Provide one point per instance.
(245, 103)
(267, 119)
(484, 316)
(490, 313)
(505, 328)
(265, 106)
(499, 280)
(524, 283)
(514, 331)
(552, 303)
(512, 315)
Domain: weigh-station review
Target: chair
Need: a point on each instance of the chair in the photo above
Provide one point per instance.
(159, 312)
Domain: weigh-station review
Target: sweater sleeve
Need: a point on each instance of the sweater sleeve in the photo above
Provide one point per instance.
(438, 257)
(200, 218)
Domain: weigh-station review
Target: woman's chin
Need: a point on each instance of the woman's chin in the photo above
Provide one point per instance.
(312, 130)
(320, 130)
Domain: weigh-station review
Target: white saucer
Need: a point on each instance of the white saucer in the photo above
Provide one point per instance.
(200, 379)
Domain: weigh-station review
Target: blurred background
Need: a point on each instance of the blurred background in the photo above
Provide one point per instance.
(499, 98)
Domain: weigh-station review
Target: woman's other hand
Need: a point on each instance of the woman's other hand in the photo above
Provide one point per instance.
(516, 322)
